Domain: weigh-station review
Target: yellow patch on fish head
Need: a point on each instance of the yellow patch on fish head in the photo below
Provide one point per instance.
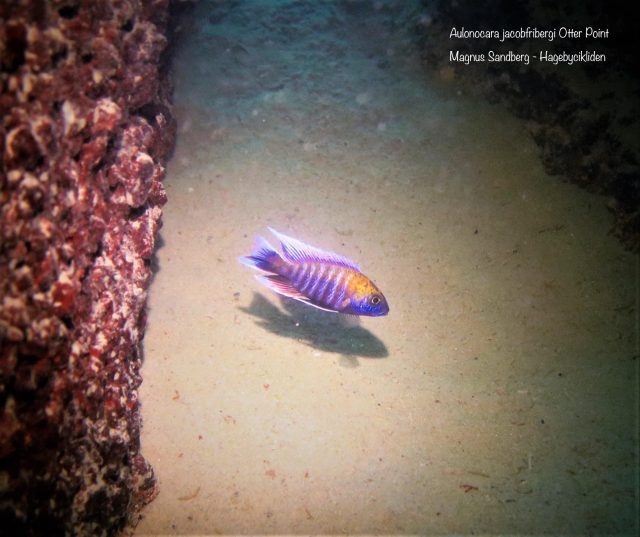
(365, 298)
(360, 286)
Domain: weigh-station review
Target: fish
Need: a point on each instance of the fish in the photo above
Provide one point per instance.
(322, 279)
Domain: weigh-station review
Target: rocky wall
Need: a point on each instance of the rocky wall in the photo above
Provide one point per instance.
(584, 117)
(85, 132)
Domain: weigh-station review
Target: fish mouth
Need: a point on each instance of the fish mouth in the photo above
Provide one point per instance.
(381, 313)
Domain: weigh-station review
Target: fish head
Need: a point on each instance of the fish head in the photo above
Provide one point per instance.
(372, 304)
(365, 298)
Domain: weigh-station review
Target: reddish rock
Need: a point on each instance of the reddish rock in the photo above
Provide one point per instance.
(85, 132)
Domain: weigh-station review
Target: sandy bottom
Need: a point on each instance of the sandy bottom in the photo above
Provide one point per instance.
(500, 393)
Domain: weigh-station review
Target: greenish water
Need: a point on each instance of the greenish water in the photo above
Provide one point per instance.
(499, 395)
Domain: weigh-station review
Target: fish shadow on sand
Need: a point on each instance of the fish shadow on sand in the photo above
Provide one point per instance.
(321, 330)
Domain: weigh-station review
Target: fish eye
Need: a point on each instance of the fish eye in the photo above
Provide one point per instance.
(375, 300)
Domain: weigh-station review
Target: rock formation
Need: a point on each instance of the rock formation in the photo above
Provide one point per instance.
(582, 116)
(84, 133)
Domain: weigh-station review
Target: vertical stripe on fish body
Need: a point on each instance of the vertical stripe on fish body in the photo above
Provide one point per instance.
(326, 285)
(322, 279)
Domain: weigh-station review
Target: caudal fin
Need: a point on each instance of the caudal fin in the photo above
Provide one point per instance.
(262, 258)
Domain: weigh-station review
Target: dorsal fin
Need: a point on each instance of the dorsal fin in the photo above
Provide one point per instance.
(298, 252)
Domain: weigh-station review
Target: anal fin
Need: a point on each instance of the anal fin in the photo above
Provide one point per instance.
(283, 287)
(280, 285)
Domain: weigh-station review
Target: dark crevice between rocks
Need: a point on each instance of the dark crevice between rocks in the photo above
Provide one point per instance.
(13, 56)
(128, 26)
(59, 56)
(69, 11)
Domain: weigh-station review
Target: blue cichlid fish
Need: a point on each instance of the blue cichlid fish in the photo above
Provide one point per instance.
(321, 279)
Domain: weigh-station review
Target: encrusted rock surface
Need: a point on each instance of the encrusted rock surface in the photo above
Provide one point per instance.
(84, 132)
(583, 117)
